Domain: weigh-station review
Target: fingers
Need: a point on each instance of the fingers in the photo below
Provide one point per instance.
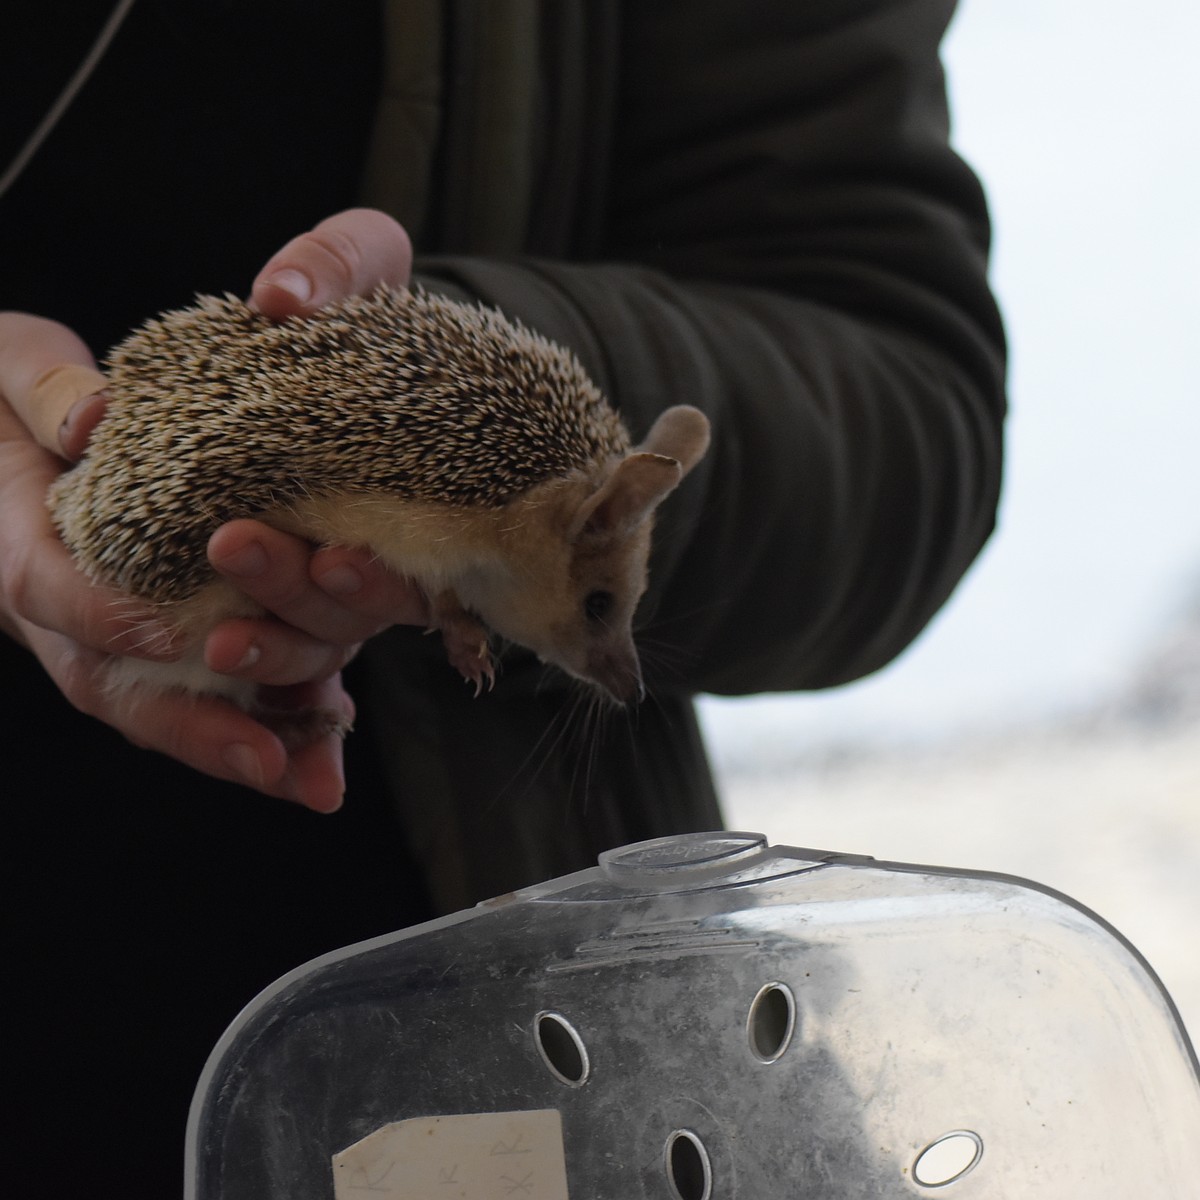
(207, 734)
(327, 603)
(270, 652)
(349, 254)
(49, 378)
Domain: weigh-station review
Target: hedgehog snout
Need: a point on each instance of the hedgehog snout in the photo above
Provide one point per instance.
(617, 671)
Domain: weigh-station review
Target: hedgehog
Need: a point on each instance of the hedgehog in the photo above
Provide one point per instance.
(466, 452)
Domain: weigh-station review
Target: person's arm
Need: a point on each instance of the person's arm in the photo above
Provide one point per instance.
(796, 250)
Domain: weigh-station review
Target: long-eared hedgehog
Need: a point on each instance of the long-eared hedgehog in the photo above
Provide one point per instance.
(468, 453)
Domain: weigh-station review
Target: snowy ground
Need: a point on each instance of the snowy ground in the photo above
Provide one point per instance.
(1108, 813)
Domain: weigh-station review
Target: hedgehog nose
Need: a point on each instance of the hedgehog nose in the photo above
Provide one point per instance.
(619, 673)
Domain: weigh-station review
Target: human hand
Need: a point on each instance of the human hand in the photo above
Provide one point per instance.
(71, 626)
(324, 603)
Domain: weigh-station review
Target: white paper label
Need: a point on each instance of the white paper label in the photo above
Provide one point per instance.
(473, 1156)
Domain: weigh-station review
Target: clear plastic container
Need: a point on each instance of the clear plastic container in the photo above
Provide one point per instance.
(704, 1018)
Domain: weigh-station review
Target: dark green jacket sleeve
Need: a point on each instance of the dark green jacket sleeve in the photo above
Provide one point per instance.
(788, 242)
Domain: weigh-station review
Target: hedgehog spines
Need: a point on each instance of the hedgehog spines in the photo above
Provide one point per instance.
(217, 413)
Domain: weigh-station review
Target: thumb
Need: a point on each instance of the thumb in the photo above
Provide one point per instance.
(348, 254)
(50, 380)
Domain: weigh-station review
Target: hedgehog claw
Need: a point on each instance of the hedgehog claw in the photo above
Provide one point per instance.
(479, 677)
(486, 672)
(479, 671)
(472, 660)
(466, 641)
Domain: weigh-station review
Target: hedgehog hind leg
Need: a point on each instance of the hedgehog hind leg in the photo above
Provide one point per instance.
(296, 725)
(300, 727)
(127, 676)
(287, 711)
(192, 620)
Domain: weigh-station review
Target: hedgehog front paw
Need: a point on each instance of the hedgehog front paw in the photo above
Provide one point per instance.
(469, 654)
(466, 641)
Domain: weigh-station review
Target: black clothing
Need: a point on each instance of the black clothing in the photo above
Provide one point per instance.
(749, 207)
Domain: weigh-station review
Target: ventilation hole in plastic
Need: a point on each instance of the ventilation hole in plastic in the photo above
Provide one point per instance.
(561, 1048)
(689, 1171)
(948, 1159)
(771, 1022)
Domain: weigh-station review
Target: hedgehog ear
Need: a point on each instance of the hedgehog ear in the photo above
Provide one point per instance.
(628, 496)
(681, 433)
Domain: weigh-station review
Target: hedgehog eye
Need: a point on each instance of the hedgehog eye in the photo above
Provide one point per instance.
(597, 605)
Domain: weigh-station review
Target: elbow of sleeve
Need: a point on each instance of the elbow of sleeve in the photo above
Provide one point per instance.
(857, 568)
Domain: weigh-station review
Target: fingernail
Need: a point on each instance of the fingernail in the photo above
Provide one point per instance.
(247, 563)
(252, 655)
(244, 763)
(82, 417)
(295, 283)
(342, 580)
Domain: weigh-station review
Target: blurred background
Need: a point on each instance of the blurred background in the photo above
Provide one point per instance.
(1047, 724)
